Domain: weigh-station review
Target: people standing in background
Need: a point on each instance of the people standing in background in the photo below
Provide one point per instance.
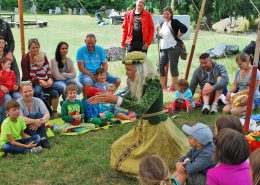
(138, 29)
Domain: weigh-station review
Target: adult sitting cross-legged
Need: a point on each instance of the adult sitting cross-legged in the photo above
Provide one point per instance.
(34, 112)
(90, 58)
(212, 79)
(63, 70)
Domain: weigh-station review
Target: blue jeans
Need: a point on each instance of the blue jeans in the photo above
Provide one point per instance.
(40, 91)
(9, 148)
(40, 131)
(60, 86)
(85, 79)
(14, 95)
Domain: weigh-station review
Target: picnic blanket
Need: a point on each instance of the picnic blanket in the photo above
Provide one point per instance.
(67, 129)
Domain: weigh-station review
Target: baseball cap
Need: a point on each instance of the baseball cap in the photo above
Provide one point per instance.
(92, 91)
(199, 131)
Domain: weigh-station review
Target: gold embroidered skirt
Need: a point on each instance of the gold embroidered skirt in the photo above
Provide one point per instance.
(163, 139)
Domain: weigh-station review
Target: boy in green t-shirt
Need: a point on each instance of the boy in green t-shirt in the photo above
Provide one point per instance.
(13, 138)
(72, 109)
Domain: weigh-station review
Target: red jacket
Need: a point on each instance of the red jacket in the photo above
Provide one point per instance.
(8, 79)
(147, 28)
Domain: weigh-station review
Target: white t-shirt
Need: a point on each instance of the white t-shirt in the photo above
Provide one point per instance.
(167, 40)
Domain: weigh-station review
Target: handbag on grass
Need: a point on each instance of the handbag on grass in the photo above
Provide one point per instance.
(181, 46)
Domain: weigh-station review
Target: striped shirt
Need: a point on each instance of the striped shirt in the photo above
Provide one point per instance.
(40, 73)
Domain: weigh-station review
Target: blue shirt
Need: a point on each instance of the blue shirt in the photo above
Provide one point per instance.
(186, 95)
(91, 110)
(200, 160)
(244, 83)
(92, 61)
(101, 86)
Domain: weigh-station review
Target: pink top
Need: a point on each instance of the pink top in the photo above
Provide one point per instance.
(226, 174)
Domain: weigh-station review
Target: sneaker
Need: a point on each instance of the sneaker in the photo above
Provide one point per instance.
(9, 155)
(37, 149)
(205, 109)
(171, 88)
(45, 144)
(214, 109)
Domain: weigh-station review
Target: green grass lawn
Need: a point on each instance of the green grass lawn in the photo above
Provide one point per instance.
(86, 159)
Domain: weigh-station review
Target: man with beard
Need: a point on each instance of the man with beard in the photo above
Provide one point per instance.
(138, 29)
(155, 132)
(212, 79)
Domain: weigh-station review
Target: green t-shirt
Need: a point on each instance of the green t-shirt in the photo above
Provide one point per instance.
(12, 128)
(68, 107)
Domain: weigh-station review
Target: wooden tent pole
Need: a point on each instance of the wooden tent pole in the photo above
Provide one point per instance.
(195, 39)
(253, 81)
(21, 26)
(172, 5)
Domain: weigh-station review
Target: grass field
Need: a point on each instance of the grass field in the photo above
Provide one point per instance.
(86, 159)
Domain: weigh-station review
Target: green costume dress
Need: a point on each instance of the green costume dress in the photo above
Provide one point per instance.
(154, 134)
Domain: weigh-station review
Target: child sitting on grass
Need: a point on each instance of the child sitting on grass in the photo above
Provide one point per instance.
(95, 113)
(232, 151)
(154, 171)
(120, 114)
(13, 138)
(101, 77)
(7, 79)
(194, 165)
(72, 109)
(183, 97)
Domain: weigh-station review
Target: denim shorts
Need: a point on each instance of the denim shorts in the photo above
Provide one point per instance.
(85, 79)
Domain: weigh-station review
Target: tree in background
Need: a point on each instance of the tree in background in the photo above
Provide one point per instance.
(218, 9)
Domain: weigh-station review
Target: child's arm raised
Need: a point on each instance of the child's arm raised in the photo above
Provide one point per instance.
(13, 142)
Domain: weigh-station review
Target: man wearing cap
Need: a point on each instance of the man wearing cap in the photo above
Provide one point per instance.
(155, 132)
(212, 79)
(138, 29)
(90, 58)
(194, 165)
